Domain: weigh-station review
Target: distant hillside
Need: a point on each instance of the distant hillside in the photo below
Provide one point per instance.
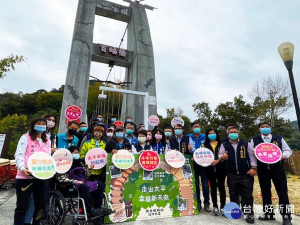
(294, 125)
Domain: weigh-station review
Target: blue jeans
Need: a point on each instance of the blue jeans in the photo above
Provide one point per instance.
(200, 171)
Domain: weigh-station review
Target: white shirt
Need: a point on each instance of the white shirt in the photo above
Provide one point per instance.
(286, 150)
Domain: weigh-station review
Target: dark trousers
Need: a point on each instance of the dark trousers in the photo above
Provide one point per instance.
(200, 171)
(241, 184)
(24, 189)
(280, 182)
(92, 199)
(217, 181)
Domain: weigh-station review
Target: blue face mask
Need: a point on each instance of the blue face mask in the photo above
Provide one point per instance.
(99, 119)
(197, 130)
(83, 129)
(212, 137)
(168, 134)
(178, 132)
(76, 155)
(40, 128)
(119, 134)
(233, 136)
(129, 132)
(265, 130)
(128, 120)
(113, 120)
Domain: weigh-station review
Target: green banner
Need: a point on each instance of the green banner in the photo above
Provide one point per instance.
(136, 194)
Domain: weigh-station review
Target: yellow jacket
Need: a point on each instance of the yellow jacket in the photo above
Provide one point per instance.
(88, 145)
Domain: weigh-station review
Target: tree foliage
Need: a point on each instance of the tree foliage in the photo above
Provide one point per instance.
(8, 64)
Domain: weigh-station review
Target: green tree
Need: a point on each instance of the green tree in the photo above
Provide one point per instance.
(204, 113)
(19, 124)
(294, 141)
(8, 63)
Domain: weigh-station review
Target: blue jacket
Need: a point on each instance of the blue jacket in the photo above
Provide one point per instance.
(62, 141)
(196, 142)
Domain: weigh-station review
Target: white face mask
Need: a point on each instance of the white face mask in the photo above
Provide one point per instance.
(110, 134)
(142, 139)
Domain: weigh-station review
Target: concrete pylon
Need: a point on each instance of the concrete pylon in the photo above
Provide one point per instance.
(139, 59)
(142, 70)
(77, 81)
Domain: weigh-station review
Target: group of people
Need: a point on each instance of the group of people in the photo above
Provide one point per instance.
(234, 158)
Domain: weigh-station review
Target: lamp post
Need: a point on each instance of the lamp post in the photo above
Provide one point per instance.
(286, 51)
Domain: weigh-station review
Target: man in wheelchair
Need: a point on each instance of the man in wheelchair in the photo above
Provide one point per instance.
(91, 191)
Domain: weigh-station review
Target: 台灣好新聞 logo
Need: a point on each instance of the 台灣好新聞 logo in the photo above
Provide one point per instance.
(232, 211)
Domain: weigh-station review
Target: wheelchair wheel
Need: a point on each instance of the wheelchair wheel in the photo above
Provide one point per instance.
(99, 221)
(55, 210)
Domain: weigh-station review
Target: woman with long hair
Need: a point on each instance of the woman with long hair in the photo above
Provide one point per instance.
(158, 143)
(33, 141)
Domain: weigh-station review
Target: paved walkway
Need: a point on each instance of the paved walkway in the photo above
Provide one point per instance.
(7, 209)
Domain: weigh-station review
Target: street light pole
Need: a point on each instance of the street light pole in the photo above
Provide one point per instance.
(286, 51)
(296, 101)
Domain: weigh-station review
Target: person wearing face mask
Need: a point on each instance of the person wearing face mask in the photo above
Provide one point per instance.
(216, 172)
(168, 134)
(142, 144)
(241, 169)
(92, 126)
(180, 142)
(34, 141)
(90, 191)
(82, 131)
(273, 172)
(128, 119)
(97, 141)
(51, 123)
(158, 143)
(130, 129)
(109, 135)
(149, 136)
(227, 128)
(119, 142)
(65, 140)
(141, 127)
(196, 140)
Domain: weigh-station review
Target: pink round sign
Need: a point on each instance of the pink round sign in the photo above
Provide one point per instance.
(268, 153)
(73, 112)
(153, 120)
(96, 157)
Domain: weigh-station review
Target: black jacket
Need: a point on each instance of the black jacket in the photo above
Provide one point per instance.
(220, 168)
(114, 144)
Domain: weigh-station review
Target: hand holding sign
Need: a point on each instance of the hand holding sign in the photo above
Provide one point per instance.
(268, 153)
(175, 158)
(63, 159)
(153, 120)
(203, 156)
(41, 165)
(96, 157)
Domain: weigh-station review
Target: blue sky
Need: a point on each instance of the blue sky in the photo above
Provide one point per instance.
(209, 50)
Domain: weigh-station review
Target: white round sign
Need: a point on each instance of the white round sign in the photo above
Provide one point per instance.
(175, 158)
(63, 159)
(177, 120)
(203, 156)
(123, 159)
(41, 165)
